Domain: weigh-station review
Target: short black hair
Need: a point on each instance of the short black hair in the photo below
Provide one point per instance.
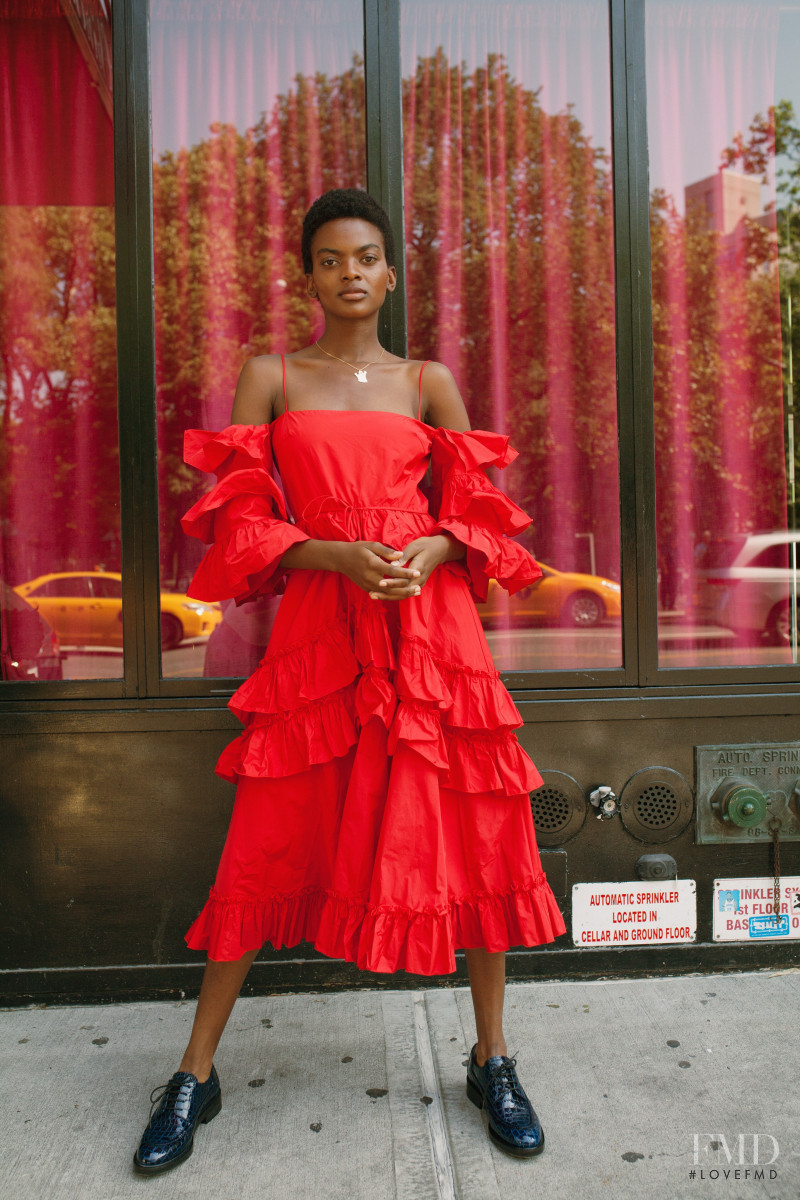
(345, 202)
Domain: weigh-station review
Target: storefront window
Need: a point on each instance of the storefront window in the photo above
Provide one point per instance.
(59, 482)
(510, 244)
(724, 136)
(257, 108)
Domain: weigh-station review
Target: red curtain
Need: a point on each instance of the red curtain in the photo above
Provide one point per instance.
(257, 109)
(56, 145)
(59, 492)
(509, 229)
(720, 455)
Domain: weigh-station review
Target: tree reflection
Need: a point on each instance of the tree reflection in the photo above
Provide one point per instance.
(721, 345)
(59, 461)
(510, 280)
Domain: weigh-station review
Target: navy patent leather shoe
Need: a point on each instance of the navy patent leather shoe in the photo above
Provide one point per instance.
(182, 1104)
(513, 1124)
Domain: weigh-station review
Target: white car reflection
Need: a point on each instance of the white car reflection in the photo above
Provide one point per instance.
(752, 585)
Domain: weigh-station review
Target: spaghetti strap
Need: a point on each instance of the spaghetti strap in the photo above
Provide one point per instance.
(422, 368)
(285, 403)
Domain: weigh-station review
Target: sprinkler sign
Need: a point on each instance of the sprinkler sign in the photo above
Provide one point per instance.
(634, 914)
(744, 909)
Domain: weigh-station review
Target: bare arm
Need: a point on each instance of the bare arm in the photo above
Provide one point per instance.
(259, 392)
(441, 400)
(258, 400)
(444, 408)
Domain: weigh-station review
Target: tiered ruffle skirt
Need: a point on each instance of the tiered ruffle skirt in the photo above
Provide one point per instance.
(382, 810)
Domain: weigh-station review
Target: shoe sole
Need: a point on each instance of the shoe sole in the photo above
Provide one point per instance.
(476, 1096)
(207, 1114)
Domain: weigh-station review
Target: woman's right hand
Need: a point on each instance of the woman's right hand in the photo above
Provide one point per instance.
(367, 563)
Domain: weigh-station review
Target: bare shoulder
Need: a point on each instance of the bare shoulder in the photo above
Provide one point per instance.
(259, 392)
(442, 404)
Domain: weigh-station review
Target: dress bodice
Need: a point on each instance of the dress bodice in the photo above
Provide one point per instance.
(349, 475)
(342, 471)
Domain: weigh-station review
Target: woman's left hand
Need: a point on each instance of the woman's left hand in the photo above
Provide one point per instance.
(423, 555)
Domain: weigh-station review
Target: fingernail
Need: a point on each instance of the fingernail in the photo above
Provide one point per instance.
(417, 591)
(374, 596)
(416, 572)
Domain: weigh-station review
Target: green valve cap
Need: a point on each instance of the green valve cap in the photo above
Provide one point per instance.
(740, 803)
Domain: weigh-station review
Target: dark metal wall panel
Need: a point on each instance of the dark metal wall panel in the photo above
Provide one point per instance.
(112, 841)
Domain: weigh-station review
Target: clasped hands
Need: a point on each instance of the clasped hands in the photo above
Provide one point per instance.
(390, 574)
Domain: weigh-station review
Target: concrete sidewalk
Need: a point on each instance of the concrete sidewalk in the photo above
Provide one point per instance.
(360, 1095)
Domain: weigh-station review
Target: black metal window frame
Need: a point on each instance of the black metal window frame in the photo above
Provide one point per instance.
(641, 678)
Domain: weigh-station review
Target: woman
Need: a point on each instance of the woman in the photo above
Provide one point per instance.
(382, 808)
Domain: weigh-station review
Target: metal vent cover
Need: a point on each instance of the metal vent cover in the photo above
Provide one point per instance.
(558, 808)
(656, 804)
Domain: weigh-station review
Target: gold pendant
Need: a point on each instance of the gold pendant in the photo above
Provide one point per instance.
(361, 375)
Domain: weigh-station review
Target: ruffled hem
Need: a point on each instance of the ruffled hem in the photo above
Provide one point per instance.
(375, 697)
(461, 720)
(479, 502)
(420, 726)
(237, 496)
(275, 745)
(229, 927)
(478, 514)
(383, 939)
(490, 555)
(278, 745)
(241, 446)
(243, 517)
(488, 763)
(480, 699)
(520, 917)
(246, 563)
(471, 449)
(238, 456)
(402, 939)
(297, 674)
(466, 697)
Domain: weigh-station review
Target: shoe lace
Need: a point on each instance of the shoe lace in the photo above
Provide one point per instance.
(170, 1091)
(505, 1073)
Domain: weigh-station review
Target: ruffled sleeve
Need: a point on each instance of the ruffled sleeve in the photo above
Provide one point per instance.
(467, 505)
(243, 516)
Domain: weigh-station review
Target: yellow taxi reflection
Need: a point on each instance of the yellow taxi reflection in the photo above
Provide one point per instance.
(85, 609)
(564, 598)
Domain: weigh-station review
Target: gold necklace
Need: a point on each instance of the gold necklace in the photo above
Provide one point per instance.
(359, 372)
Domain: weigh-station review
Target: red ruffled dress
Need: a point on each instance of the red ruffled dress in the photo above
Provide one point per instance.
(382, 810)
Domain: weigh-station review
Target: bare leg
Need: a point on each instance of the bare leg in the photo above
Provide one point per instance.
(487, 981)
(222, 982)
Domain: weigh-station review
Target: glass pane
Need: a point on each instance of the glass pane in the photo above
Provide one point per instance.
(257, 108)
(510, 241)
(59, 486)
(107, 587)
(723, 103)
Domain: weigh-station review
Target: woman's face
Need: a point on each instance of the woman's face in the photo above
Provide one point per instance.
(350, 275)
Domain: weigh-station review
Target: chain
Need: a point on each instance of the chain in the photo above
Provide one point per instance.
(776, 863)
(359, 372)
